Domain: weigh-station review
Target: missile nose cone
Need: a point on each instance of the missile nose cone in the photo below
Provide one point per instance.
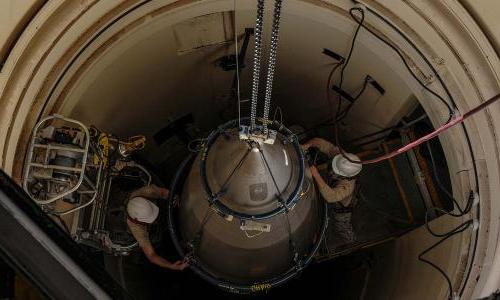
(268, 221)
(251, 178)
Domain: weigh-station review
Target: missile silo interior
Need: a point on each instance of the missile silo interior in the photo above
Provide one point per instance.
(165, 70)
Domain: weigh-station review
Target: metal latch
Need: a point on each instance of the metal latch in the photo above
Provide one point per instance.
(249, 225)
(246, 134)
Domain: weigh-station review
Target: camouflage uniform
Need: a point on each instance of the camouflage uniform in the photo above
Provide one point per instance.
(339, 192)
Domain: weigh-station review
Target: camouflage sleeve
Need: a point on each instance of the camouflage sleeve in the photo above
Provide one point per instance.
(328, 148)
(342, 192)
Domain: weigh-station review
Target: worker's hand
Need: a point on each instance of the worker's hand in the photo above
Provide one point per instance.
(164, 193)
(314, 171)
(306, 146)
(179, 265)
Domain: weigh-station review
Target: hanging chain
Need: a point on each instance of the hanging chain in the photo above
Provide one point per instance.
(272, 61)
(273, 52)
(237, 55)
(259, 24)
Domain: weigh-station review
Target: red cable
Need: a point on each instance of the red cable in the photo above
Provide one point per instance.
(446, 126)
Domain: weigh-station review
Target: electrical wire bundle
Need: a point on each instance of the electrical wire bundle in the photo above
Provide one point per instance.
(446, 235)
(453, 120)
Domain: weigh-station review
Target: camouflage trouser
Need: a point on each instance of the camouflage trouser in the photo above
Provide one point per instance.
(342, 225)
(340, 231)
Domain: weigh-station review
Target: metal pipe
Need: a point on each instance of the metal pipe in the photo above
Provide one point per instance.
(426, 173)
(419, 180)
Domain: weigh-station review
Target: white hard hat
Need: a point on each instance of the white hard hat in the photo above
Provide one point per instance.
(343, 167)
(142, 210)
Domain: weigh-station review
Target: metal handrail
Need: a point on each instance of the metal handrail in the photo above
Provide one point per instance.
(30, 164)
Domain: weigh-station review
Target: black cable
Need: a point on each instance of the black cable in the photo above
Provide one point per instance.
(280, 199)
(238, 166)
(348, 59)
(344, 113)
(272, 177)
(465, 225)
(405, 125)
(446, 235)
(342, 72)
(412, 73)
(360, 21)
(365, 84)
(443, 189)
(196, 240)
(431, 231)
(460, 228)
(419, 52)
(198, 147)
(330, 122)
(438, 76)
(328, 84)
